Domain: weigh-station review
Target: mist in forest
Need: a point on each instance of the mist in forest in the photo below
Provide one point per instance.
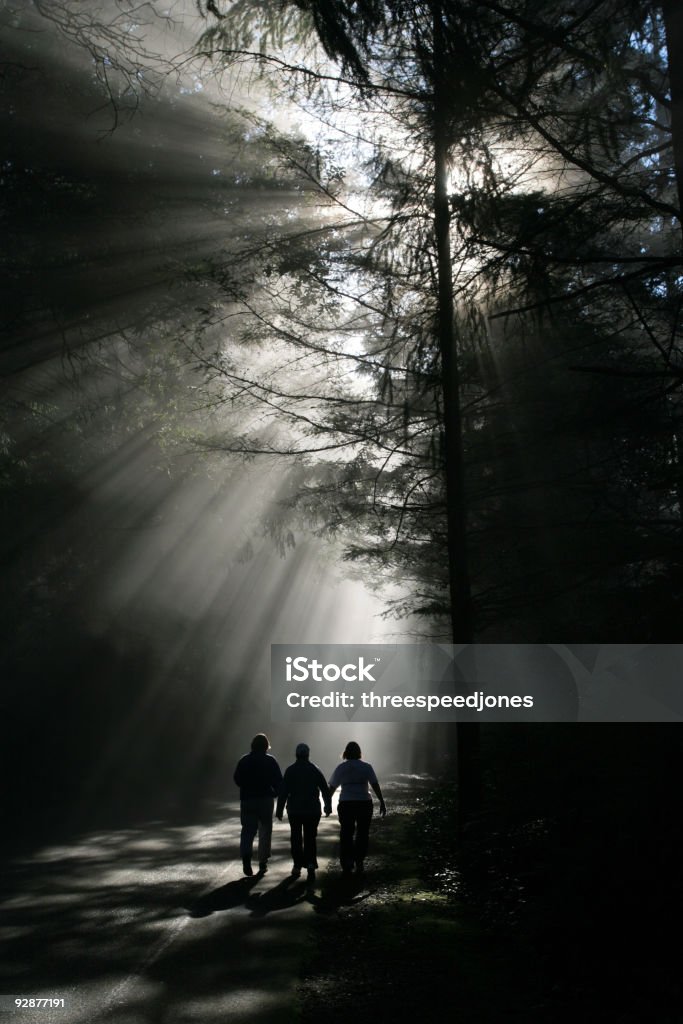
(141, 587)
(147, 566)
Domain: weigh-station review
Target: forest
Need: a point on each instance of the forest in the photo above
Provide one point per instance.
(349, 322)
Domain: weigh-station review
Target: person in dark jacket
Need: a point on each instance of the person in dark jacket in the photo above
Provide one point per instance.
(300, 791)
(259, 777)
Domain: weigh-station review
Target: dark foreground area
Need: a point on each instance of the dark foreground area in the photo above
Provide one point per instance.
(560, 903)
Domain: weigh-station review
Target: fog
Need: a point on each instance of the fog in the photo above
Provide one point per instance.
(143, 583)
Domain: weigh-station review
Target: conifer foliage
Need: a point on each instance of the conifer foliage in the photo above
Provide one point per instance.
(474, 349)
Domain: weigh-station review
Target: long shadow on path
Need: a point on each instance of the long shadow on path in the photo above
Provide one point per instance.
(155, 923)
(226, 897)
(139, 925)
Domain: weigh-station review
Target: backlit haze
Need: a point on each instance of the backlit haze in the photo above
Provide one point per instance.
(142, 588)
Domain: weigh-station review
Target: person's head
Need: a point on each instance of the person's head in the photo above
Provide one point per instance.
(302, 751)
(351, 751)
(260, 743)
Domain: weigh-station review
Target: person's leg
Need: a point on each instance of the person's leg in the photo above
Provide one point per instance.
(265, 830)
(310, 828)
(347, 822)
(249, 820)
(296, 824)
(363, 818)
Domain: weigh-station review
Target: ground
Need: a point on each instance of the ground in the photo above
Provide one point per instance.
(525, 918)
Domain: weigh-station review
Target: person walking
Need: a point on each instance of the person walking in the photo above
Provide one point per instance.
(302, 786)
(355, 807)
(259, 777)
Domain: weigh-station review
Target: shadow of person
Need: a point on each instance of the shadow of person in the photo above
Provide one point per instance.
(340, 892)
(234, 894)
(282, 896)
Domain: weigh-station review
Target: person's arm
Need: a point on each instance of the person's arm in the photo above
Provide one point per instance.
(326, 794)
(282, 798)
(334, 781)
(382, 805)
(275, 775)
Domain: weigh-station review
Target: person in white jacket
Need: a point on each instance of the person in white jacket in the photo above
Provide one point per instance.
(355, 807)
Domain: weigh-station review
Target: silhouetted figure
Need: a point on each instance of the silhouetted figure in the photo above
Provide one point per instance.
(301, 789)
(258, 775)
(355, 806)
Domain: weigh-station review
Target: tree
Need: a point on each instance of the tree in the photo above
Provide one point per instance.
(576, 89)
(673, 26)
(561, 219)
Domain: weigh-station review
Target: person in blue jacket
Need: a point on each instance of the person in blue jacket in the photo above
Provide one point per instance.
(258, 776)
(301, 789)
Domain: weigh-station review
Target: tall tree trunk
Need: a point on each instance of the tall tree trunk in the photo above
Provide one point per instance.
(467, 734)
(459, 583)
(673, 26)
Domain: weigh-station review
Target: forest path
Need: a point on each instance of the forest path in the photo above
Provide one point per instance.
(157, 923)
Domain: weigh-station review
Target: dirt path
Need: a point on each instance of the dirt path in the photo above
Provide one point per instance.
(156, 924)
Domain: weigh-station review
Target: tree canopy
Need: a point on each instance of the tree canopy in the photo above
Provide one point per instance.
(513, 291)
